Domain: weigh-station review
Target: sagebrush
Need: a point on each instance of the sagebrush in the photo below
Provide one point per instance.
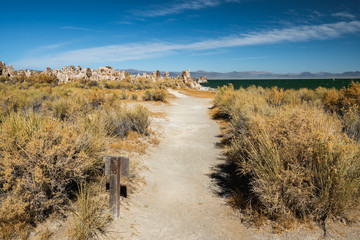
(300, 159)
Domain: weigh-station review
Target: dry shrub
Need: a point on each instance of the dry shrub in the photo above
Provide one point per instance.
(350, 96)
(41, 78)
(116, 122)
(123, 95)
(297, 161)
(96, 98)
(275, 96)
(111, 84)
(340, 101)
(346, 103)
(351, 119)
(4, 78)
(63, 108)
(331, 100)
(224, 100)
(120, 120)
(140, 119)
(91, 84)
(134, 97)
(13, 99)
(52, 139)
(41, 160)
(154, 95)
(91, 215)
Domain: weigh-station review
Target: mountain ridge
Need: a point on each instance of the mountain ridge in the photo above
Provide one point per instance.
(258, 74)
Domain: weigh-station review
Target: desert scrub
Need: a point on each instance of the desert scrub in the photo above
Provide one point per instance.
(91, 215)
(140, 119)
(120, 120)
(154, 95)
(35, 79)
(134, 97)
(346, 103)
(298, 162)
(52, 140)
(342, 100)
(224, 100)
(123, 95)
(41, 160)
(275, 96)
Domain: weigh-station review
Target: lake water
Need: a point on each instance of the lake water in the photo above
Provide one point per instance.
(282, 83)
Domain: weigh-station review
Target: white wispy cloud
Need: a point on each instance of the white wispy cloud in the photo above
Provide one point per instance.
(124, 22)
(124, 52)
(180, 6)
(318, 14)
(248, 58)
(49, 47)
(78, 28)
(55, 46)
(344, 15)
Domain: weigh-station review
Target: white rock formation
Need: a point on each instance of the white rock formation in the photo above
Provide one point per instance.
(70, 73)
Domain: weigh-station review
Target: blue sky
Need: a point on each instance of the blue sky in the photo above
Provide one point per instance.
(213, 35)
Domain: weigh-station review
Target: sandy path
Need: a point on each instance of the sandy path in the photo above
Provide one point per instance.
(178, 201)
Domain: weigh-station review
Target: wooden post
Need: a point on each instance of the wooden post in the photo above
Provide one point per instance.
(116, 167)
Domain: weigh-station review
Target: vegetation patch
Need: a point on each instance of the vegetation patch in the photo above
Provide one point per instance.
(52, 140)
(297, 159)
(154, 95)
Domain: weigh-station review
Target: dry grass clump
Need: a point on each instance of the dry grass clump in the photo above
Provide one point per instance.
(298, 162)
(119, 121)
(154, 95)
(91, 215)
(224, 100)
(41, 160)
(346, 103)
(275, 96)
(134, 97)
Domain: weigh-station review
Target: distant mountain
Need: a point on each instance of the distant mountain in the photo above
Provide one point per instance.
(270, 75)
(258, 75)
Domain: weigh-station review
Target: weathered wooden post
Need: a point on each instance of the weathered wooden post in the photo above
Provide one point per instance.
(116, 167)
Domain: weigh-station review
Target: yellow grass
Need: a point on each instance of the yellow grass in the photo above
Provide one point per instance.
(298, 161)
(54, 138)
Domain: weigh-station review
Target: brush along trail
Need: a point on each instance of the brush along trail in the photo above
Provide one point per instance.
(181, 199)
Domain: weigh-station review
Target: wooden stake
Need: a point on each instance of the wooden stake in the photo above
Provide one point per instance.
(116, 167)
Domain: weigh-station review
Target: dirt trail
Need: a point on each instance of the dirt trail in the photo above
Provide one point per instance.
(178, 201)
